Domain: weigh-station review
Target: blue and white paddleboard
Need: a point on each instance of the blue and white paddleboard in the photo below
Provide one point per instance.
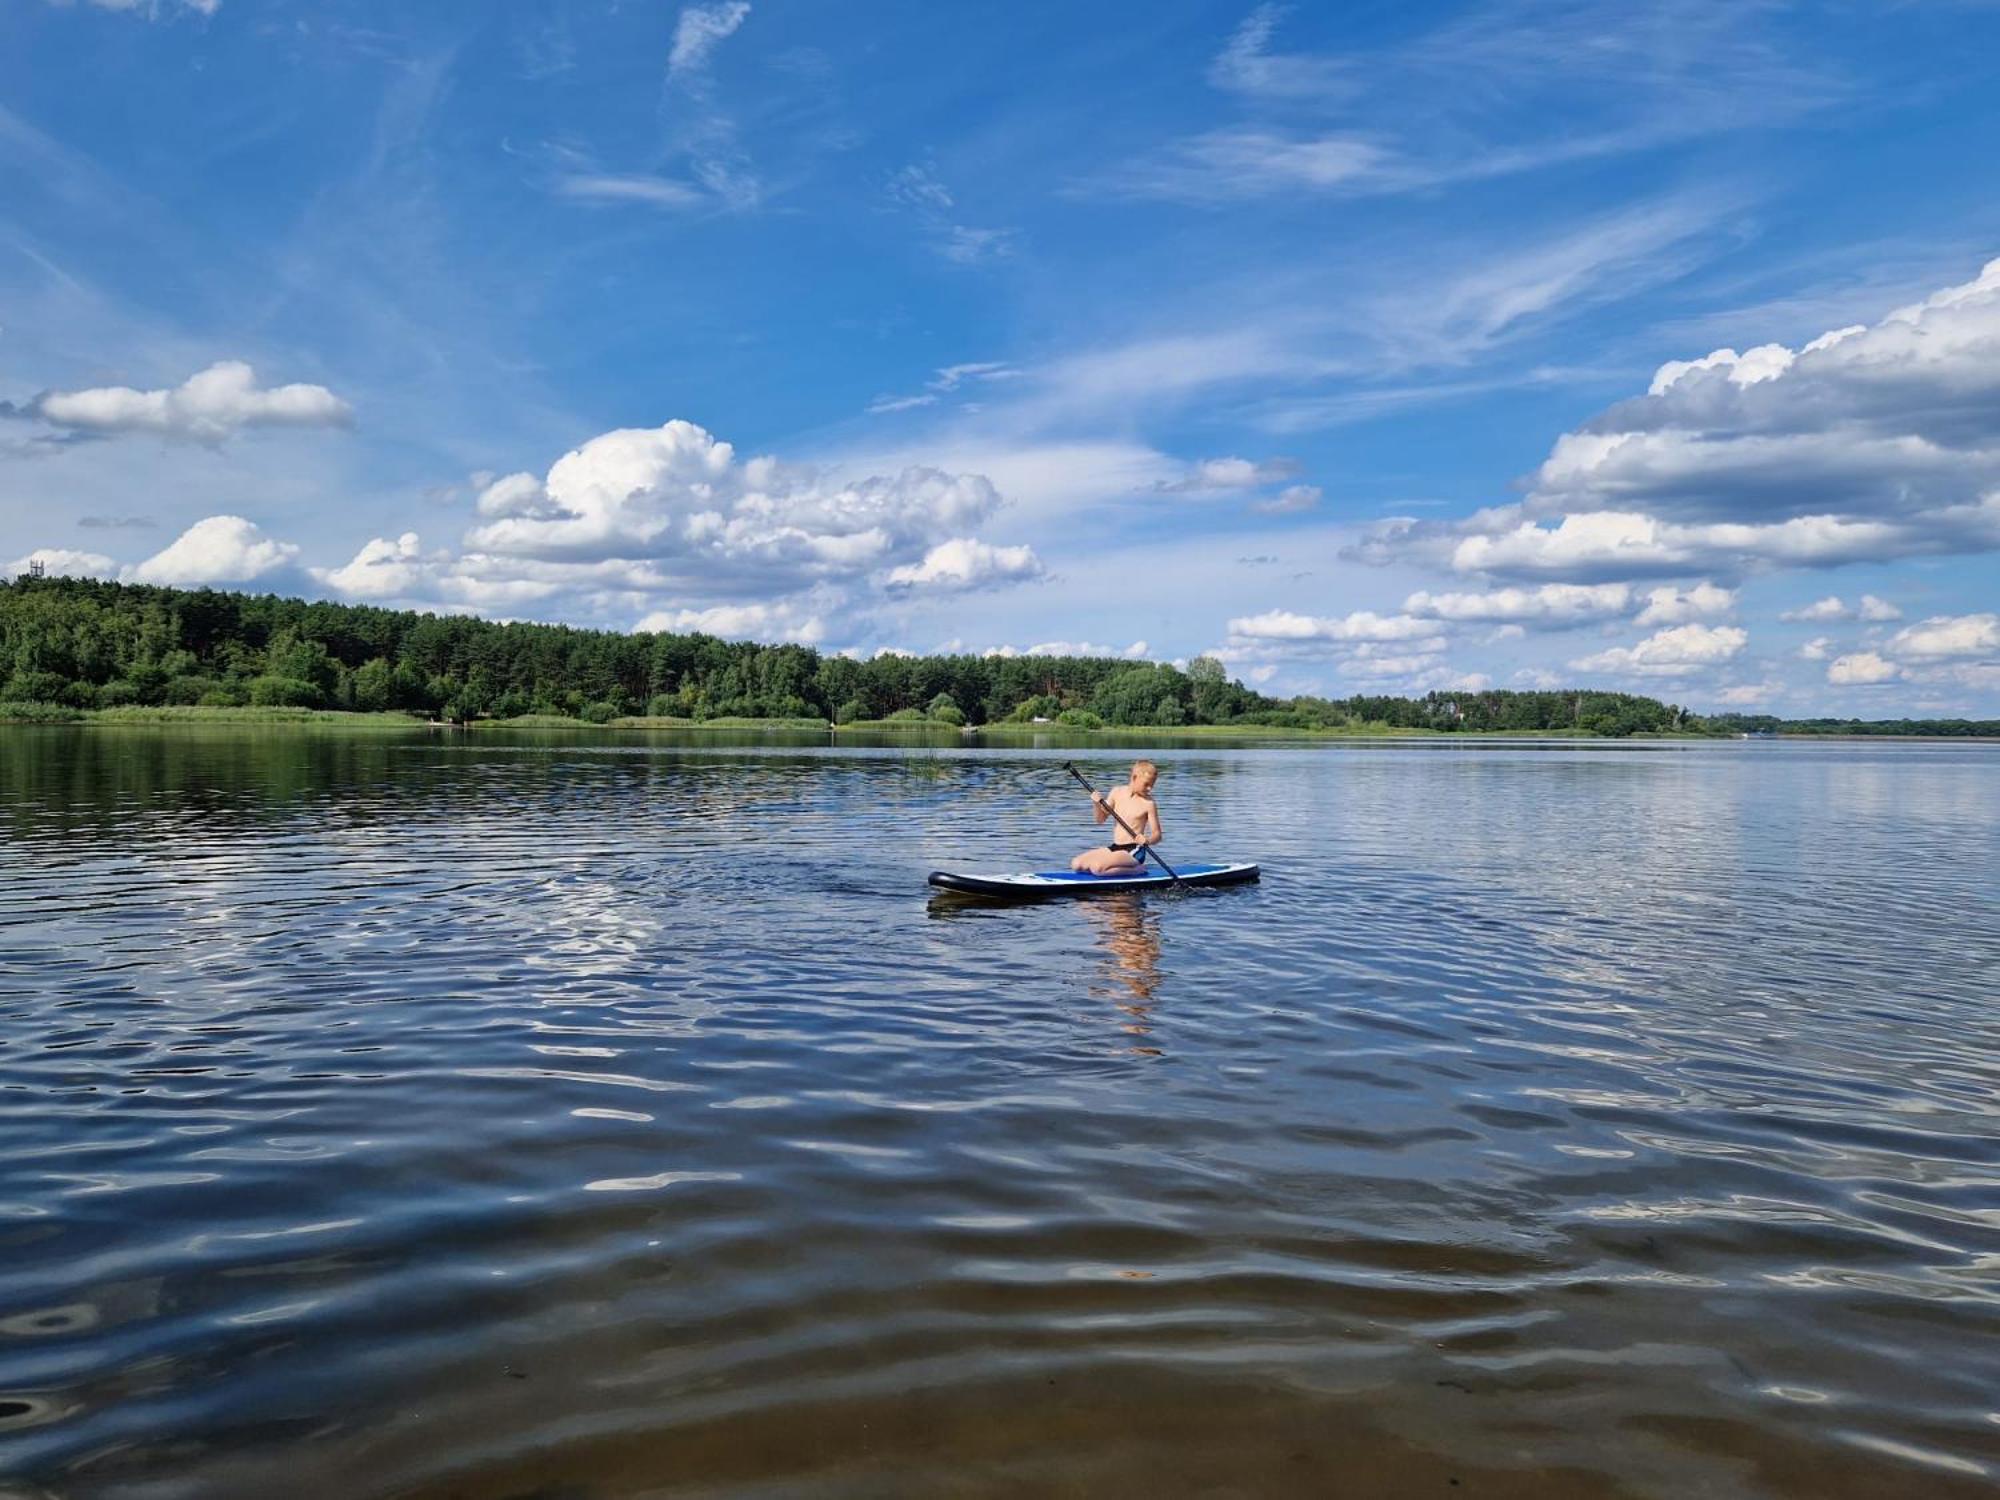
(1042, 883)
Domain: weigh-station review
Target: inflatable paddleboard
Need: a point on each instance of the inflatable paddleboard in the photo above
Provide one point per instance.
(1042, 883)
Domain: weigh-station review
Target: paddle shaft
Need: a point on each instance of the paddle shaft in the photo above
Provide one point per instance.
(1151, 852)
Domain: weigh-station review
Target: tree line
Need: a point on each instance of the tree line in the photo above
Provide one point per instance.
(83, 643)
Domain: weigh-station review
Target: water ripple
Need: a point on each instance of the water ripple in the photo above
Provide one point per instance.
(592, 1117)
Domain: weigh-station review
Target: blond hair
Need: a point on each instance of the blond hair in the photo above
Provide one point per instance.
(1146, 765)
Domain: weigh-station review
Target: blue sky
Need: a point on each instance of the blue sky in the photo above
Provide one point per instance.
(1375, 348)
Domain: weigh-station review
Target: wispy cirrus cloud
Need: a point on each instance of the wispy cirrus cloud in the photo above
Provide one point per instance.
(1474, 97)
(920, 191)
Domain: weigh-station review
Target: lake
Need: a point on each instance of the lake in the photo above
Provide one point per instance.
(576, 1116)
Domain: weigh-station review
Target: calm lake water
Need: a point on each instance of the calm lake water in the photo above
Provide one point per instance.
(569, 1118)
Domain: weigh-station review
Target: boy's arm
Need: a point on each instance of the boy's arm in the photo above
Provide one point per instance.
(1159, 830)
(1099, 809)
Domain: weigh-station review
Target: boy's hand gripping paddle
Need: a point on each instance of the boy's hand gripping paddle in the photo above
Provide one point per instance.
(1151, 853)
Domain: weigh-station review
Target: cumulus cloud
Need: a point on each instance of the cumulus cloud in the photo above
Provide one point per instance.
(220, 549)
(207, 407)
(65, 562)
(1868, 443)
(1819, 648)
(1285, 627)
(1216, 474)
(1134, 652)
(1630, 544)
(1670, 606)
(739, 622)
(1862, 669)
(1552, 603)
(1560, 605)
(965, 563)
(1945, 636)
(1833, 607)
(678, 497)
(400, 571)
(1675, 652)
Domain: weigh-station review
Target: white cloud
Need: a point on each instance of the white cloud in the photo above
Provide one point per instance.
(1134, 652)
(1860, 670)
(1833, 607)
(1246, 65)
(1674, 652)
(965, 563)
(1877, 610)
(607, 187)
(1944, 636)
(153, 9)
(1292, 500)
(919, 189)
(1867, 444)
(207, 407)
(1889, 421)
(944, 382)
(1669, 606)
(220, 549)
(1743, 694)
(1213, 474)
(1597, 544)
(1238, 163)
(1559, 605)
(899, 403)
(676, 497)
(1830, 608)
(700, 30)
(65, 562)
(1819, 648)
(759, 622)
(1280, 625)
(1556, 603)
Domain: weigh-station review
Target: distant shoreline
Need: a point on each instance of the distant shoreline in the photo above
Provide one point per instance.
(915, 731)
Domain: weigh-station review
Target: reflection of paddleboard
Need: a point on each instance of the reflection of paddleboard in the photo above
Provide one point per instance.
(1076, 883)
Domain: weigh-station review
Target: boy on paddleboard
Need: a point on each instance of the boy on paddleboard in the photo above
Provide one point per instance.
(1133, 802)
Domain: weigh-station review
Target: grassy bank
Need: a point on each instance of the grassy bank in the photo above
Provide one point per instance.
(57, 713)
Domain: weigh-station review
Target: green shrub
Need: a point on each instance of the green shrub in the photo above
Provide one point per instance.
(1079, 718)
(188, 689)
(907, 716)
(118, 692)
(226, 695)
(82, 694)
(598, 713)
(35, 687)
(849, 711)
(284, 692)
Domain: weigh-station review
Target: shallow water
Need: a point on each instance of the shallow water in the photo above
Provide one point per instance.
(586, 1117)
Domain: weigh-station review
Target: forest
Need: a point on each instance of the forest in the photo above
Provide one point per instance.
(70, 644)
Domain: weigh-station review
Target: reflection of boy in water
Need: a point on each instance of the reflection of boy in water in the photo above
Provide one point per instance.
(1132, 959)
(1133, 802)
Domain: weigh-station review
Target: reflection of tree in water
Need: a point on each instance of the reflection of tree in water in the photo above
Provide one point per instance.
(1129, 969)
